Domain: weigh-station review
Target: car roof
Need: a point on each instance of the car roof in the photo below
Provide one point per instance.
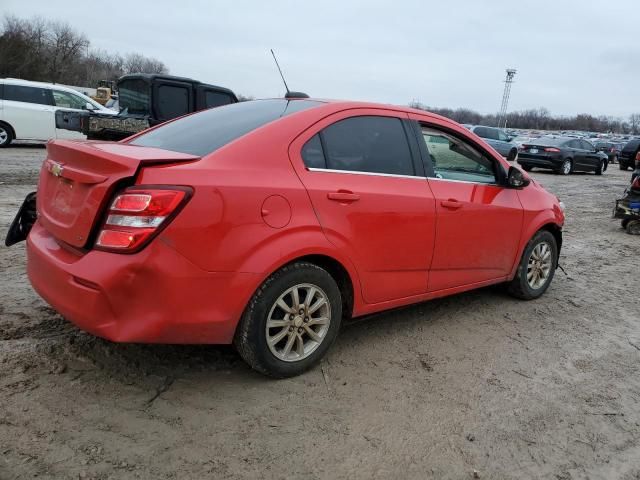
(30, 83)
(338, 105)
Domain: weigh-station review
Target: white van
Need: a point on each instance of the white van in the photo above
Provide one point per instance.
(27, 110)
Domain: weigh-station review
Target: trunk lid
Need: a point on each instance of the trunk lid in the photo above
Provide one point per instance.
(78, 178)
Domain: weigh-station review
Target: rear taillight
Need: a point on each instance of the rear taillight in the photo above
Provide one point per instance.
(552, 149)
(138, 214)
(636, 183)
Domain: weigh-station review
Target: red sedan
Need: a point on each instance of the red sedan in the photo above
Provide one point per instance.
(265, 223)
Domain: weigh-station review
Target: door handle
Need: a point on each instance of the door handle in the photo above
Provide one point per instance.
(451, 204)
(344, 196)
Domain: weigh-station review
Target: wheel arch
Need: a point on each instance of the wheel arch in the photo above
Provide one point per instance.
(340, 268)
(339, 273)
(10, 127)
(556, 231)
(546, 224)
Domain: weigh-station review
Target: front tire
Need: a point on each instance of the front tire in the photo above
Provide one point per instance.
(633, 227)
(537, 267)
(291, 321)
(622, 166)
(6, 136)
(526, 168)
(600, 168)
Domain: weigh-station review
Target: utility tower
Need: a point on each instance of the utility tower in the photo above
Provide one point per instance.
(502, 116)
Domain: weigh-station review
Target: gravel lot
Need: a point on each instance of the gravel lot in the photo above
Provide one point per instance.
(476, 382)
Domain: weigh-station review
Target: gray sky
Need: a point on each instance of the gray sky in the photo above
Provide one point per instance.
(572, 56)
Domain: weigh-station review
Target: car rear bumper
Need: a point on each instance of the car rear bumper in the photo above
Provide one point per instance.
(539, 161)
(154, 296)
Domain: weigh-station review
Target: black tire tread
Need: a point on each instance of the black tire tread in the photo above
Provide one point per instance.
(516, 286)
(9, 130)
(600, 168)
(243, 344)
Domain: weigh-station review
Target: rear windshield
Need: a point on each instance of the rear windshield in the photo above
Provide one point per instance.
(551, 141)
(204, 132)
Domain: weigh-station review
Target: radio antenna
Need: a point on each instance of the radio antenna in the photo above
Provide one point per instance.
(280, 70)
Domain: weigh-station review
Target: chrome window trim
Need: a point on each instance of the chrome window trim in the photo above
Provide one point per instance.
(464, 181)
(355, 172)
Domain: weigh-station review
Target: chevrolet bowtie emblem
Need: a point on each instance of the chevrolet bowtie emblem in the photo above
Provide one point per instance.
(56, 168)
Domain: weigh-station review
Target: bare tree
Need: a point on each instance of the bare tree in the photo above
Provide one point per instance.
(634, 120)
(136, 63)
(38, 49)
(67, 48)
(540, 119)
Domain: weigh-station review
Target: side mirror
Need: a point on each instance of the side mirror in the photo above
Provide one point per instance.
(516, 178)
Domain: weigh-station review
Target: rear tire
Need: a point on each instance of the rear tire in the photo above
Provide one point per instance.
(625, 222)
(6, 135)
(526, 168)
(621, 166)
(536, 268)
(566, 168)
(276, 341)
(512, 154)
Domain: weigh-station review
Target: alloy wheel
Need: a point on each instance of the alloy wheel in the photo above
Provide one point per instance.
(298, 322)
(566, 167)
(539, 265)
(4, 136)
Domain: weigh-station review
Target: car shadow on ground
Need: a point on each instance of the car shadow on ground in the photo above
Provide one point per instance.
(25, 144)
(132, 364)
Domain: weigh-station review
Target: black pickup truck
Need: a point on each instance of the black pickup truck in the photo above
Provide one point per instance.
(146, 100)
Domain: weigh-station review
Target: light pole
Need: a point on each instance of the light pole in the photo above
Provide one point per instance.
(502, 116)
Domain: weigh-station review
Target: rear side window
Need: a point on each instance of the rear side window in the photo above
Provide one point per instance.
(133, 95)
(215, 99)
(366, 144)
(206, 131)
(486, 132)
(173, 101)
(312, 153)
(19, 93)
(481, 132)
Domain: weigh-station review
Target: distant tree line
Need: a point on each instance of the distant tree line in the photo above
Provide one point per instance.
(541, 119)
(50, 51)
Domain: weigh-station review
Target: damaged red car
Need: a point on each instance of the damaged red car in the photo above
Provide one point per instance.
(266, 223)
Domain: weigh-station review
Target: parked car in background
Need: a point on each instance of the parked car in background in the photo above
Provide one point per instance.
(262, 223)
(498, 139)
(627, 155)
(563, 155)
(27, 110)
(612, 149)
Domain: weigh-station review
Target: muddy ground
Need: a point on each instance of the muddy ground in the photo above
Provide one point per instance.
(476, 382)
